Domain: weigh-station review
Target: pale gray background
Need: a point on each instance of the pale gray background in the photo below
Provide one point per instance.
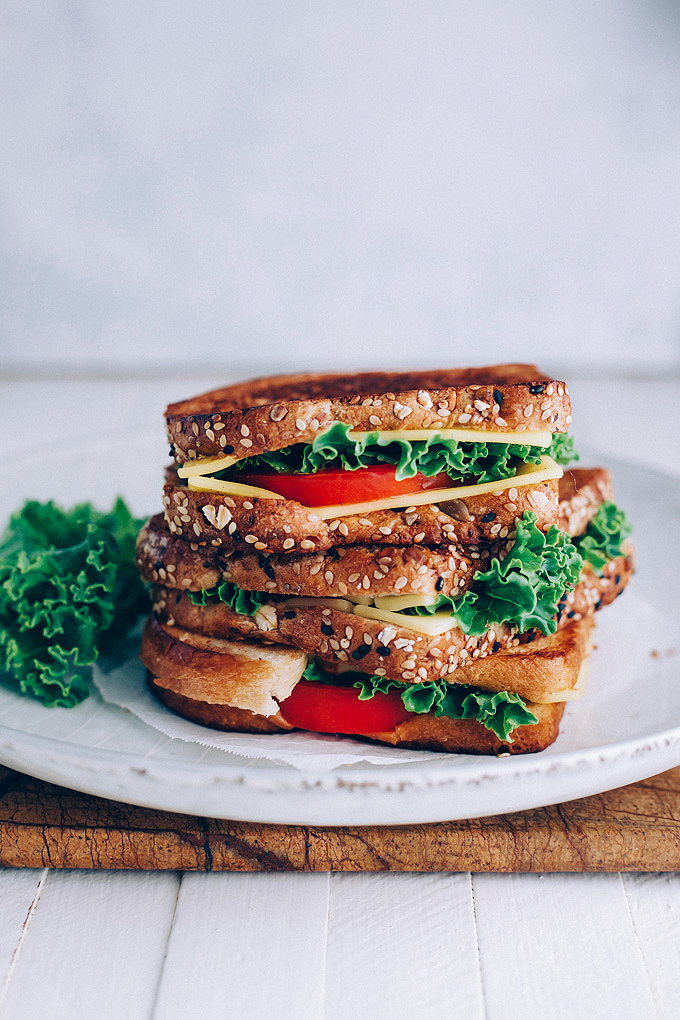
(253, 186)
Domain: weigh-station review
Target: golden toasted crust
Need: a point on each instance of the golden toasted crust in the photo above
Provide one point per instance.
(385, 570)
(284, 526)
(269, 414)
(246, 675)
(218, 717)
(582, 490)
(341, 637)
(467, 736)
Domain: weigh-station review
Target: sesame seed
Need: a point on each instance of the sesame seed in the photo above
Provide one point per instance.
(344, 642)
(408, 675)
(528, 411)
(343, 529)
(333, 525)
(260, 546)
(374, 419)
(251, 539)
(245, 431)
(197, 528)
(300, 424)
(329, 577)
(400, 582)
(247, 505)
(463, 418)
(232, 528)
(384, 530)
(481, 405)
(306, 544)
(366, 582)
(512, 494)
(194, 428)
(424, 398)
(288, 543)
(422, 672)
(419, 537)
(342, 587)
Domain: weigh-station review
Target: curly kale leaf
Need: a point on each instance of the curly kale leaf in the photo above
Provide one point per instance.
(604, 537)
(522, 590)
(69, 589)
(336, 448)
(243, 602)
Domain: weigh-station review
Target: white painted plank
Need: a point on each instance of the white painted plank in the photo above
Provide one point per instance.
(19, 893)
(402, 946)
(95, 947)
(246, 945)
(559, 947)
(654, 902)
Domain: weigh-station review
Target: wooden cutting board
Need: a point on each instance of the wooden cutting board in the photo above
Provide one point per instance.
(636, 828)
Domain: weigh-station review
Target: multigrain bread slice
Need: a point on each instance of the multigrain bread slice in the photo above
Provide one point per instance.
(285, 526)
(165, 557)
(272, 413)
(340, 636)
(193, 690)
(385, 570)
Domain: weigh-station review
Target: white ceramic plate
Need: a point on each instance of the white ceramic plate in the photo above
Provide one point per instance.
(626, 727)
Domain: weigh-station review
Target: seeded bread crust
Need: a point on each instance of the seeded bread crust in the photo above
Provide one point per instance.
(284, 526)
(341, 637)
(582, 490)
(273, 413)
(385, 570)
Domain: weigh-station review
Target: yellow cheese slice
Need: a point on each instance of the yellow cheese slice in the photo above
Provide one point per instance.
(572, 693)
(527, 474)
(538, 437)
(396, 603)
(205, 466)
(438, 623)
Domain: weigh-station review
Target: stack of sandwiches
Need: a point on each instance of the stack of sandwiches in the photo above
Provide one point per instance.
(400, 557)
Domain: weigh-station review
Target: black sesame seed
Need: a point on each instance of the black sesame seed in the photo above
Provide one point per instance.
(571, 614)
(617, 579)
(488, 517)
(158, 564)
(382, 651)
(289, 614)
(236, 536)
(327, 629)
(172, 451)
(498, 397)
(178, 597)
(496, 646)
(226, 450)
(359, 652)
(333, 554)
(439, 584)
(537, 388)
(598, 605)
(269, 571)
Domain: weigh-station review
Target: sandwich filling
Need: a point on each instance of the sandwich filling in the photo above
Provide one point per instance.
(342, 467)
(522, 589)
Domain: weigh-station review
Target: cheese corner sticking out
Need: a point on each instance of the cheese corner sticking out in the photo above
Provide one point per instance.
(205, 466)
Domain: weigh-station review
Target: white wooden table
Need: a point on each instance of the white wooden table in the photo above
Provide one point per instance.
(135, 945)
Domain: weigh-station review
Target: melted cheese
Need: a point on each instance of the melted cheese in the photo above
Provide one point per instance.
(527, 474)
(438, 623)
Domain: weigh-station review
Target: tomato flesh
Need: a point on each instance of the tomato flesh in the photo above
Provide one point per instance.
(327, 708)
(332, 486)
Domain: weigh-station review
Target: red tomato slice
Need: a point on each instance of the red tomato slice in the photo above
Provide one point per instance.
(326, 708)
(332, 485)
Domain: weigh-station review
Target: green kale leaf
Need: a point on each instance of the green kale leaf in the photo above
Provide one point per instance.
(69, 589)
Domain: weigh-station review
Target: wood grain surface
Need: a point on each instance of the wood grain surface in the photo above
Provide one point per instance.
(635, 828)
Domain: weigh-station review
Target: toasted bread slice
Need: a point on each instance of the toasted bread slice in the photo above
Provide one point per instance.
(284, 526)
(187, 680)
(384, 570)
(342, 635)
(272, 413)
